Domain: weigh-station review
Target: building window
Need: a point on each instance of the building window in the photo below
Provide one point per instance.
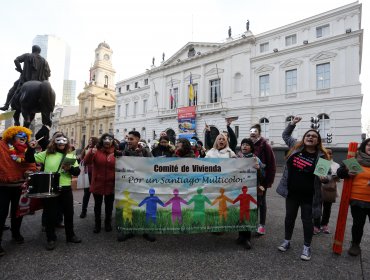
(290, 40)
(236, 130)
(174, 97)
(264, 122)
(126, 109)
(119, 90)
(67, 132)
(146, 82)
(215, 90)
(72, 132)
(264, 85)
(136, 84)
(135, 108)
(127, 87)
(111, 128)
(323, 76)
(118, 111)
(264, 47)
(145, 106)
(324, 127)
(322, 31)
(295, 131)
(105, 81)
(100, 129)
(238, 82)
(194, 102)
(86, 110)
(291, 81)
(93, 130)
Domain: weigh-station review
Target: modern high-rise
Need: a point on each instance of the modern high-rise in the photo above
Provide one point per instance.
(58, 54)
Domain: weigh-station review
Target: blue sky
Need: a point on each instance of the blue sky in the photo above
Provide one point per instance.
(138, 30)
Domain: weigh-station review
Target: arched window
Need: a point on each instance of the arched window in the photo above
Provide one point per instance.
(105, 81)
(295, 131)
(324, 127)
(238, 82)
(264, 122)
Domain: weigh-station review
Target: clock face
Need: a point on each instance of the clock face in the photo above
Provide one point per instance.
(106, 57)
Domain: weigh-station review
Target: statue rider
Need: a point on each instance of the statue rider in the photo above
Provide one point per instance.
(35, 67)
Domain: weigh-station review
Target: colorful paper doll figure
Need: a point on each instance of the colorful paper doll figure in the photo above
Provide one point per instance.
(199, 212)
(126, 204)
(151, 202)
(222, 204)
(245, 199)
(176, 206)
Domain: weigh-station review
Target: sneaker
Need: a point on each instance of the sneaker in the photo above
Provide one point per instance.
(2, 252)
(355, 249)
(261, 230)
(83, 215)
(50, 245)
(325, 229)
(123, 237)
(149, 237)
(284, 246)
(316, 230)
(306, 253)
(247, 245)
(74, 239)
(19, 239)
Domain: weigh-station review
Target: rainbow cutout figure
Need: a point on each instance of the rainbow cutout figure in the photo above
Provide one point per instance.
(222, 204)
(176, 206)
(199, 212)
(151, 202)
(126, 204)
(245, 199)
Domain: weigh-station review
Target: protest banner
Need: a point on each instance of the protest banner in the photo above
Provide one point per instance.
(185, 195)
(186, 119)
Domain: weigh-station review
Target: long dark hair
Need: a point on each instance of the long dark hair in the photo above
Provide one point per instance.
(186, 147)
(363, 145)
(52, 146)
(300, 144)
(100, 142)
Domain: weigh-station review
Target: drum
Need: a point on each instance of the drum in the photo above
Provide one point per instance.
(43, 185)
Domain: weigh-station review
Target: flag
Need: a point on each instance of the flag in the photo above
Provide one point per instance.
(171, 95)
(191, 89)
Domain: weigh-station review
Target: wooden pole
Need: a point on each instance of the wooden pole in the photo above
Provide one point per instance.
(344, 205)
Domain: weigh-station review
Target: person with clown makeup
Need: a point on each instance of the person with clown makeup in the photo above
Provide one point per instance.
(53, 159)
(17, 161)
(102, 160)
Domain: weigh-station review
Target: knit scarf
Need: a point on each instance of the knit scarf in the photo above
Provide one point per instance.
(363, 159)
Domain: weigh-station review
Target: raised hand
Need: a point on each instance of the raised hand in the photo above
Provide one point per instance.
(296, 120)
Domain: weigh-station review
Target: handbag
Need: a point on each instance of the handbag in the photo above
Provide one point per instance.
(83, 177)
(329, 191)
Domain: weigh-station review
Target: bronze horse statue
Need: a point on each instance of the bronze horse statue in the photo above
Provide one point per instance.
(31, 98)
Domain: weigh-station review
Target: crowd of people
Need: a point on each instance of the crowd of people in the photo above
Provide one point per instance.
(301, 188)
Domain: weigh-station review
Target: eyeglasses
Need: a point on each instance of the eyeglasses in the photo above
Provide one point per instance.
(311, 135)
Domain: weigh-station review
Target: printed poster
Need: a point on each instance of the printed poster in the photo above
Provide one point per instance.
(186, 119)
(185, 195)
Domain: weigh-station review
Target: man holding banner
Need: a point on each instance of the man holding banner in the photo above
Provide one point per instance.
(133, 149)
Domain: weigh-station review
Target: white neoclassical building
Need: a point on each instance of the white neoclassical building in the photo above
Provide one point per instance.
(308, 68)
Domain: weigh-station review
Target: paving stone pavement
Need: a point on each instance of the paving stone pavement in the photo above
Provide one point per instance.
(198, 256)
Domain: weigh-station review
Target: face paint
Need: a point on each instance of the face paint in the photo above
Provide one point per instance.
(21, 135)
(107, 140)
(61, 140)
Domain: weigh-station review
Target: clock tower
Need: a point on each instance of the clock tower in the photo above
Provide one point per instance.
(102, 73)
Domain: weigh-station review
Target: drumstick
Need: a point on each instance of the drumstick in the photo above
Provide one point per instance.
(39, 139)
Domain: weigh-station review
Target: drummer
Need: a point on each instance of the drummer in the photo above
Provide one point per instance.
(16, 160)
(54, 160)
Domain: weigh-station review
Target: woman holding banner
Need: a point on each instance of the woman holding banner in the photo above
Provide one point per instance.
(360, 195)
(300, 187)
(220, 148)
(163, 149)
(102, 160)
